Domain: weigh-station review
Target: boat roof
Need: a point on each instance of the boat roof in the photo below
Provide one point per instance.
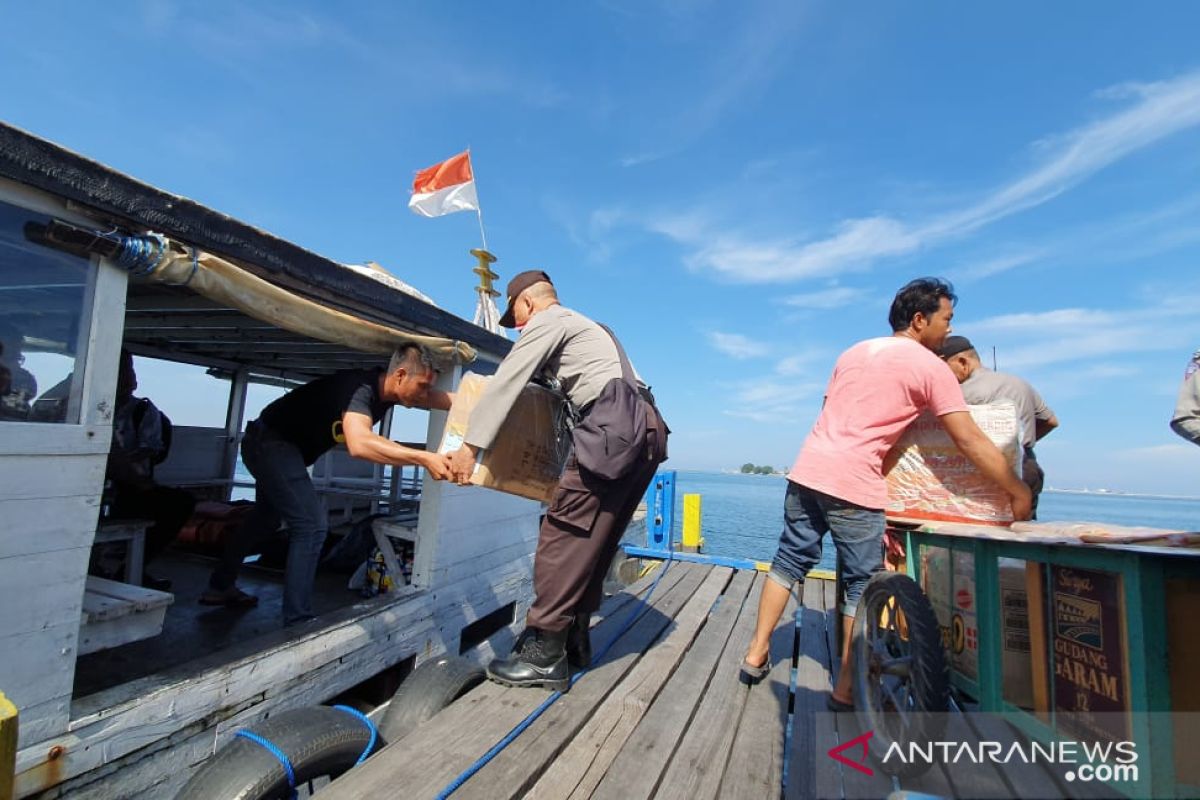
(175, 323)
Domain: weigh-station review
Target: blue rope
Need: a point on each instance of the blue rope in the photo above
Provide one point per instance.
(354, 712)
(466, 774)
(141, 255)
(274, 750)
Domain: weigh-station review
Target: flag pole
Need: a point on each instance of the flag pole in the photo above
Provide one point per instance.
(478, 204)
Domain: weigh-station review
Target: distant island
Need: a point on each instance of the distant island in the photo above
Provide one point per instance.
(756, 469)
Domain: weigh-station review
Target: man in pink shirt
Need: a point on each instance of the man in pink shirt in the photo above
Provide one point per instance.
(837, 484)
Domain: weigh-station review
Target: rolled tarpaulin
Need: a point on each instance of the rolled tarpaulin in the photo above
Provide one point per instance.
(226, 283)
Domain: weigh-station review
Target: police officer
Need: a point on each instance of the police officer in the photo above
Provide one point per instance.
(596, 496)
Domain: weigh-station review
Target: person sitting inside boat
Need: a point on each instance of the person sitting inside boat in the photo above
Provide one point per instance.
(879, 386)
(982, 386)
(292, 433)
(18, 386)
(600, 488)
(141, 441)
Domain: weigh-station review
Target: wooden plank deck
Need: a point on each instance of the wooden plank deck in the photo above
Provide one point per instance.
(663, 714)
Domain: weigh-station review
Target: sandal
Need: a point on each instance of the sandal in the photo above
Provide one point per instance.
(232, 597)
(750, 674)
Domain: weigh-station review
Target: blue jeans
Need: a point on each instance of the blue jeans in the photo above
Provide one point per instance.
(282, 490)
(857, 533)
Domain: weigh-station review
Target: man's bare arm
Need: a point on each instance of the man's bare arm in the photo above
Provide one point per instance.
(1043, 426)
(365, 443)
(984, 454)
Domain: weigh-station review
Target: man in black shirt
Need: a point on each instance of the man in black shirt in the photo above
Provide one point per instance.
(292, 433)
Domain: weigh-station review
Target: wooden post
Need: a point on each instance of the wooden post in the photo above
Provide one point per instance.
(8, 747)
(234, 417)
(1039, 648)
(692, 541)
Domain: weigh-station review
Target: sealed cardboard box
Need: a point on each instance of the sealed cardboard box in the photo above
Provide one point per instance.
(531, 449)
(934, 480)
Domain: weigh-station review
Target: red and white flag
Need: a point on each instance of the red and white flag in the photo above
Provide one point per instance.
(445, 188)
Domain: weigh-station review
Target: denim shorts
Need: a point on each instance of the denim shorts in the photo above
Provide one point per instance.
(857, 534)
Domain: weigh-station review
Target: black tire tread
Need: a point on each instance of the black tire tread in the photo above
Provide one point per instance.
(318, 741)
(929, 671)
(431, 687)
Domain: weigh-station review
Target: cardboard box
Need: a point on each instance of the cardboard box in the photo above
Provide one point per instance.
(528, 455)
(934, 480)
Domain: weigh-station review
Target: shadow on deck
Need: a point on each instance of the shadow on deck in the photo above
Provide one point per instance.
(662, 715)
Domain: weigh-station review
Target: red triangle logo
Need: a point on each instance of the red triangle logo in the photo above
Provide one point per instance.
(861, 763)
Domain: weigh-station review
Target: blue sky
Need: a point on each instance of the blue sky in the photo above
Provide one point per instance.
(738, 189)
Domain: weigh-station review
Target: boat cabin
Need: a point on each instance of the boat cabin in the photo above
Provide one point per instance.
(123, 688)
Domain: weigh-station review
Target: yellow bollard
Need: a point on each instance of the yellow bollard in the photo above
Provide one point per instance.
(8, 747)
(692, 540)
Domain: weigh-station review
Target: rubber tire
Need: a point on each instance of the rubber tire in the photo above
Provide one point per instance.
(929, 673)
(318, 740)
(431, 687)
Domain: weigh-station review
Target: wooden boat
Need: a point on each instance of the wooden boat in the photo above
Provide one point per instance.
(108, 724)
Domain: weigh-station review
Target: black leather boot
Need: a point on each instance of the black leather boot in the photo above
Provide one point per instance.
(541, 661)
(579, 643)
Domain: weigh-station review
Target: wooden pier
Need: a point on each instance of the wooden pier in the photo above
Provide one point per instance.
(664, 715)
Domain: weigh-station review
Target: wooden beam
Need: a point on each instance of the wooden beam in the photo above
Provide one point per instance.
(576, 772)
(756, 760)
(430, 757)
(647, 752)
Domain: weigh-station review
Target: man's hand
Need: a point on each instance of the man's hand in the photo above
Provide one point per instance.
(462, 464)
(1022, 502)
(437, 465)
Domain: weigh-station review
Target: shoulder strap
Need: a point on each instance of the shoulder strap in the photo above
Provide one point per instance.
(626, 369)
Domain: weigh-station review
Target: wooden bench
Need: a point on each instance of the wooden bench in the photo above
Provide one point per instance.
(118, 613)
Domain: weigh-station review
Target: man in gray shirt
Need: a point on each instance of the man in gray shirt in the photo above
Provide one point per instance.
(1186, 421)
(982, 386)
(583, 525)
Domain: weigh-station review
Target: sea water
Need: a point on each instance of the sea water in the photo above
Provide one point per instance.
(742, 515)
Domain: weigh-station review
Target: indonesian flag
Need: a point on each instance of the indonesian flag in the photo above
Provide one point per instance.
(445, 188)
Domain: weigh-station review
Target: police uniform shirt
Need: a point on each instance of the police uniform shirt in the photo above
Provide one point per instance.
(985, 387)
(1186, 421)
(310, 416)
(573, 349)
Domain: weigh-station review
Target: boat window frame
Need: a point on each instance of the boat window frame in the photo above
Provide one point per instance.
(90, 432)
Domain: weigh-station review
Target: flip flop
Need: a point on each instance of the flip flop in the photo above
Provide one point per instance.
(232, 597)
(833, 704)
(750, 674)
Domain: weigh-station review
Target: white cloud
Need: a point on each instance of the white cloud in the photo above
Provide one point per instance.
(1158, 451)
(770, 400)
(736, 345)
(755, 259)
(1160, 110)
(1064, 335)
(997, 265)
(805, 362)
(824, 299)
